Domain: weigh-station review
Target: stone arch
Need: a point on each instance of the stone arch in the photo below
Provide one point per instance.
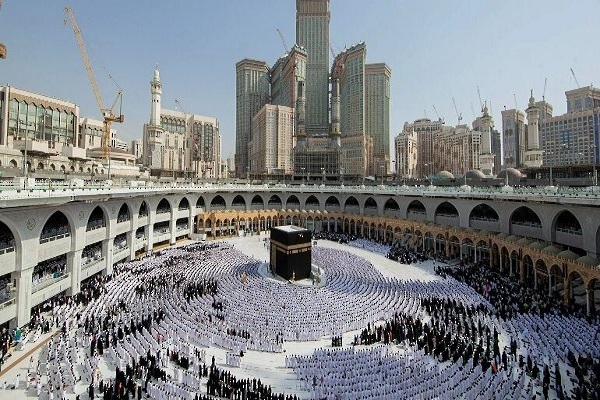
(484, 212)
(565, 222)
(577, 290)
(200, 203)
(529, 270)
(351, 205)
(56, 226)
(238, 203)
(541, 274)
(218, 203)
(446, 209)
(332, 204)
(257, 202)
(96, 220)
(593, 287)
(525, 216)
(370, 204)
(312, 203)
(143, 211)
(163, 206)
(274, 202)
(124, 214)
(184, 204)
(416, 211)
(13, 163)
(391, 205)
(292, 203)
(7, 239)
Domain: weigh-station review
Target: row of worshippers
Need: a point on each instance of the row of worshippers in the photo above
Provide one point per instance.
(508, 296)
(405, 255)
(224, 384)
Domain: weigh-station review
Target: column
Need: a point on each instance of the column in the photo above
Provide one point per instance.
(74, 270)
(173, 228)
(501, 265)
(535, 279)
(590, 300)
(23, 286)
(107, 253)
(150, 236)
(549, 283)
(130, 240)
(510, 264)
(522, 272)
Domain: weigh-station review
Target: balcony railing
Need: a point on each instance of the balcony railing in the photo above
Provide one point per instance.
(47, 281)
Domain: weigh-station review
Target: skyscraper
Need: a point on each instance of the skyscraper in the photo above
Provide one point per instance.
(352, 90)
(252, 93)
(377, 113)
(513, 138)
(312, 33)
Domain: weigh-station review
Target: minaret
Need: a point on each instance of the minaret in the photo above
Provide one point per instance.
(335, 134)
(486, 157)
(156, 90)
(533, 155)
(153, 132)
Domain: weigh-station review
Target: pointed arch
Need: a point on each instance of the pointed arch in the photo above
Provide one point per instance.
(124, 214)
(274, 202)
(238, 203)
(96, 220)
(292, 203)
(57, 226)
(312, 203)
(163, 206)
(184, 204)
(218, 203)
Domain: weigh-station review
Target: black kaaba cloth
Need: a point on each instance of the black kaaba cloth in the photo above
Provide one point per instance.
(291, 252)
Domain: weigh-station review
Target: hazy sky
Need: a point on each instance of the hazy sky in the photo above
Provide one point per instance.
(436, 50)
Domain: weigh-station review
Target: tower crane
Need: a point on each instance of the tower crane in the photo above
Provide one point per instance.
(458, 114)
(438, 114)
(108, 114)
(574, 77)
(285, 46)
(2, 46)
(544, 94)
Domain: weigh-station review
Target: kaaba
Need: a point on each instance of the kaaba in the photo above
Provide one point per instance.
(291, 252)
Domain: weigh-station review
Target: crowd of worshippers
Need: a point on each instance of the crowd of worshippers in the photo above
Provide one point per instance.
(49, 268)
(7, 240)
(335, 236)
(508, 296)
(336, 341)
(405, 255)
(224, 384)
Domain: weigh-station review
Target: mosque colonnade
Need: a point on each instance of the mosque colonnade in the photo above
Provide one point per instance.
(49, 246)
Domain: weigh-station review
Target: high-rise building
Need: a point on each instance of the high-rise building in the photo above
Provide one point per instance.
(377, 113)
(312, 33)
(406, 154)
(252, 93)
(137, 149)
(513, 138)
(270, 150)
(426, 147)
(485, 125)
(573, 138)
(178, 144)
(352, 90)
(285, 75)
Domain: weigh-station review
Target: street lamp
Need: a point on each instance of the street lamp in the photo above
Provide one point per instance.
(302, 169)
(323, 173)
(394, 171)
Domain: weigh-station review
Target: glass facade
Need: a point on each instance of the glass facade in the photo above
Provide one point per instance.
(40, 123)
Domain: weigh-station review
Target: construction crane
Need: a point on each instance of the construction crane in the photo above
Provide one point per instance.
(2, 46)
(574, 77)
(515, 98)
(108, 114)
(458, 114)
(438, 114)
(285, 46)
(479, 94)
(544, 93)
